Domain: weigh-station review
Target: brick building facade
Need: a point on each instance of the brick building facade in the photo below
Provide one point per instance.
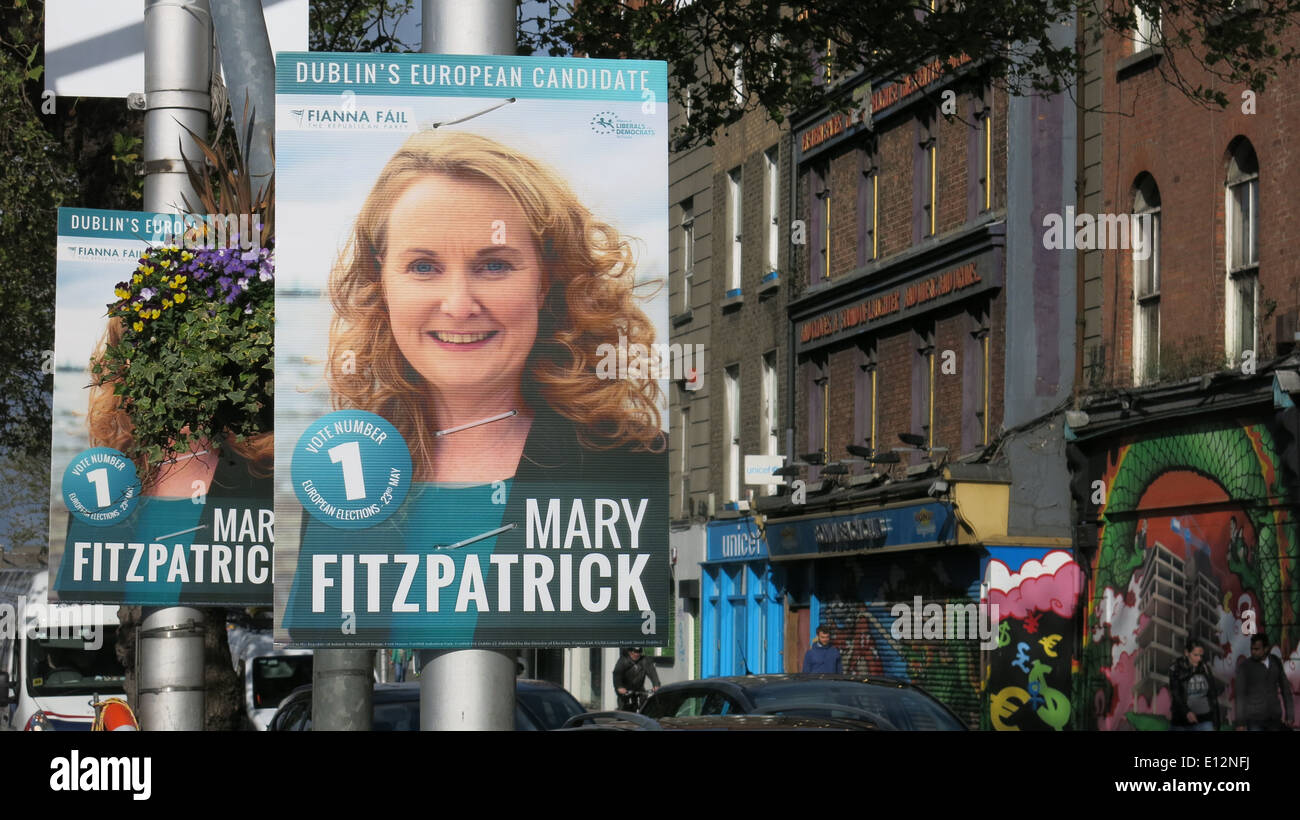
(890, 325)
(925, 307)
(1189, 165)
(1183, 440)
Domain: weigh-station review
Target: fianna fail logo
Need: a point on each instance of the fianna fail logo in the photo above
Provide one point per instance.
(353, 118)
(607, 123)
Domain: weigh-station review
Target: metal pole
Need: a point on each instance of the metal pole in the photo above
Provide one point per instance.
(171, 669)
(177, 70)
(467, 689)
(342, 690)
(250, 75)
(458, 27)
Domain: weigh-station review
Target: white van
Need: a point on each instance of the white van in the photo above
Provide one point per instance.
(53, 659)
(268, 674)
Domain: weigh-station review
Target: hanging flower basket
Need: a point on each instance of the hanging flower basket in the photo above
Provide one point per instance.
(191, 358)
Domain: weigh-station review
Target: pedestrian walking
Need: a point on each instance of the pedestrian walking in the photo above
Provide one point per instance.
(1193, 691)
(821, 656)
(1265, 702)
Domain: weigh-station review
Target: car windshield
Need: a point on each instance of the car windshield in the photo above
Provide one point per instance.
(889, 706)
(81, 665)
(275, 677)
(548, 707)
(399, 716)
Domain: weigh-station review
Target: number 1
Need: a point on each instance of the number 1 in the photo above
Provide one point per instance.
(349, 454)
(99, 478)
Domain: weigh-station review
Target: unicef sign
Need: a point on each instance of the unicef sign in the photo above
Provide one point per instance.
(735, 541)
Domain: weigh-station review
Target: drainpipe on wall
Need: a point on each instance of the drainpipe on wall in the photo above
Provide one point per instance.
(790, 289)
(1080, 191)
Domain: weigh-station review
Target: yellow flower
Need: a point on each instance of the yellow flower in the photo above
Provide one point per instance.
(186, 256)
(138, 326)
(137, 279)
(180, 297)
(167, 303)
(121, 293)
(166, 263)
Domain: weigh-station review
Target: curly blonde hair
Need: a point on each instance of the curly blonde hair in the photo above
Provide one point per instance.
(110, 426)
(590, 300)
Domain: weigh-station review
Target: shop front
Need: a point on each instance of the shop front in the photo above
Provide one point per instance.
(899, 585)
(742, 625)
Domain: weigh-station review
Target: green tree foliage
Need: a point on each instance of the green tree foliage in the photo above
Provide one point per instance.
(786, 50)
(358, 25)
(56, 153)
(35, 179)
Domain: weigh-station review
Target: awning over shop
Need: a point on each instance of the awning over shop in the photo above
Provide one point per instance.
(862, 531)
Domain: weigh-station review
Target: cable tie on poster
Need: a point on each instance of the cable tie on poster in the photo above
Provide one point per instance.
(472, 116)
(181, 532)
(457, 429)
(476, 538)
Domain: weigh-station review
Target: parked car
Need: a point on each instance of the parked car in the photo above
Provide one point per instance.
(539, 706)
(885, 703)
(632, 722)
(268, 674)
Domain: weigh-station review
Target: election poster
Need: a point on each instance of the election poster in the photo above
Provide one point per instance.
(161, 488)
(471, 349)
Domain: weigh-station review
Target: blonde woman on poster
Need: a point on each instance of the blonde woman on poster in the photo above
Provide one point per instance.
(469, 305)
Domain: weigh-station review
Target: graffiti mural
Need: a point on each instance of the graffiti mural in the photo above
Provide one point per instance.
(1197, 539)
(1028, 675)
(858, 604)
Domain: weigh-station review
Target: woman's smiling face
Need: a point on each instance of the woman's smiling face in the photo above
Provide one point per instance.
(462, 282)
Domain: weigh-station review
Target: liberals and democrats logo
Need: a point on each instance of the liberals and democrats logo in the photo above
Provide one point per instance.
(353, 118)
(607, 123)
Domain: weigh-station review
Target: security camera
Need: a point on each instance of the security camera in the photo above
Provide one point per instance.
(938, 489)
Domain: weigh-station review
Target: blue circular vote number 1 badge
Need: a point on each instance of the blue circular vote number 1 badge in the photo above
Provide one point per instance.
(351, 469)
(100, 486)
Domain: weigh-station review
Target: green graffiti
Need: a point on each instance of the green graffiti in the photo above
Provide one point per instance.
(1228, 457)
(1055, 711)
(1004, 634)
(1147, 723)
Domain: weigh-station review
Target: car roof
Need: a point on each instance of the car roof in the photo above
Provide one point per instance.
(528, 684)
(627, 722)
(762, 723)
(754, 682)
(410, 690)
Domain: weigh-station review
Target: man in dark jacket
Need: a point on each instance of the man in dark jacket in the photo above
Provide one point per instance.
(1260, 682)
(1193, 691)
(629, 678)
(821, 656)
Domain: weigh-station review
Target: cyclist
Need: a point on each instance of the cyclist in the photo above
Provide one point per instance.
(629, 678)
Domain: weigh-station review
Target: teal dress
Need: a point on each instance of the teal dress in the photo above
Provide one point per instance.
(478, 609)
(433, 515)
(177, 523)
